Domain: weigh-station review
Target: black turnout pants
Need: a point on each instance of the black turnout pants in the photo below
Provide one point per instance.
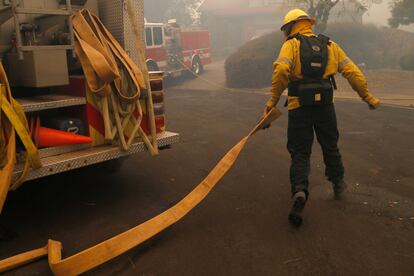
(303, 122)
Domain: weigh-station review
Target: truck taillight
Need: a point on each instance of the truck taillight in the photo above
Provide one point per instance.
(157, 85)
(160, 123)
(158, 97)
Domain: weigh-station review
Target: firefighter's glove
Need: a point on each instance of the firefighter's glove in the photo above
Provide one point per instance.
(372, 101)
(267, 126)
(265, 112)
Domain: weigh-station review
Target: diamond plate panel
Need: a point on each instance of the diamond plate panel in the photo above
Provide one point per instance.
(130, 42)
(90, 156)
(48, 152)
(114, 15)
(111, 15)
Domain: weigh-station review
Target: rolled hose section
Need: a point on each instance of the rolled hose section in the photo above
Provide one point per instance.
(114, 80)
(13, 121)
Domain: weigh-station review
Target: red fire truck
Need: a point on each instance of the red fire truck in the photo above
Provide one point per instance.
(173, 50)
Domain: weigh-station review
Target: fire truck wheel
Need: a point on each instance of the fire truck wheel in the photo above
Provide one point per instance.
(152, 66)
(197, 66)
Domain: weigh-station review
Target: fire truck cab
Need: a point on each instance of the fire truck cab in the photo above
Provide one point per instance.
(174, 50)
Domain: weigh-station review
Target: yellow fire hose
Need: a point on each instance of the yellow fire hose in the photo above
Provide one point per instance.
(12, 121)
(114, 80)
(100, 56)
(110, 74)
(139, 40)
(105, 251)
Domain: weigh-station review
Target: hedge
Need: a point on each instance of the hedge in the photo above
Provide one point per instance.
(251, 65)
(407, 62)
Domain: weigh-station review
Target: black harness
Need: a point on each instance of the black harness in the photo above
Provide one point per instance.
(313, 89)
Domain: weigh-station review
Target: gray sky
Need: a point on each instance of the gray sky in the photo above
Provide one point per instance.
(379, 15)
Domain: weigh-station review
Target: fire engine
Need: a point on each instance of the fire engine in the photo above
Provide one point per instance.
(174, 50)
(37, 48)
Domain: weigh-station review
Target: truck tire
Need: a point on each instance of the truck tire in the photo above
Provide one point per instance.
(152, 66)
(197, 66)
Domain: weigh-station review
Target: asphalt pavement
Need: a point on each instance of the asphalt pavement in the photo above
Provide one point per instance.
(242, 227)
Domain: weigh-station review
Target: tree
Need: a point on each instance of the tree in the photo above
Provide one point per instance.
(402, 12)
(162, 10)
(184, 11)
(321, 9)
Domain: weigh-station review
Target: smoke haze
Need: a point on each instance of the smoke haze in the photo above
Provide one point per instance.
(380, 13)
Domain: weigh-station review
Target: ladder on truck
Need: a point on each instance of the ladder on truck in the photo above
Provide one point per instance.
(17, 11)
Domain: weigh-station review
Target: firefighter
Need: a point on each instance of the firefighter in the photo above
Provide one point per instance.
(306, 66)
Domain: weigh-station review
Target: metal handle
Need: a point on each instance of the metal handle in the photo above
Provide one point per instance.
(19, 40)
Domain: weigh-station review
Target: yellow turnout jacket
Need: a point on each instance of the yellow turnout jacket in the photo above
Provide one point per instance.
(287, 68)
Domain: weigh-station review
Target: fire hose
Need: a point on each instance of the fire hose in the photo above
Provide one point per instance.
(114, 80)
(107, 250)
(100, 59)
(13, 121)
(102, 74)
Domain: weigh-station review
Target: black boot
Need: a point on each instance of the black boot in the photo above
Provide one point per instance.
(339, 189)
(299, 202)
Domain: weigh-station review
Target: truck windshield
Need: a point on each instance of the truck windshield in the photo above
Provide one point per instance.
(158, 36)
(148, 36)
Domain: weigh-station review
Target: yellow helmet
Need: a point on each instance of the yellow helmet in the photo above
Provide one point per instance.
(296, 15)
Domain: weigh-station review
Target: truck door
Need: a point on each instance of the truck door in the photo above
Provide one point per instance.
(155, 48)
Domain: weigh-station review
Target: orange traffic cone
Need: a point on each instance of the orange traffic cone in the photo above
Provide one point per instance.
(48, 137)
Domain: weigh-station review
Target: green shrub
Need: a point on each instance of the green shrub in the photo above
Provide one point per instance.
(376, 47)
(407, 62)
(251, 65)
